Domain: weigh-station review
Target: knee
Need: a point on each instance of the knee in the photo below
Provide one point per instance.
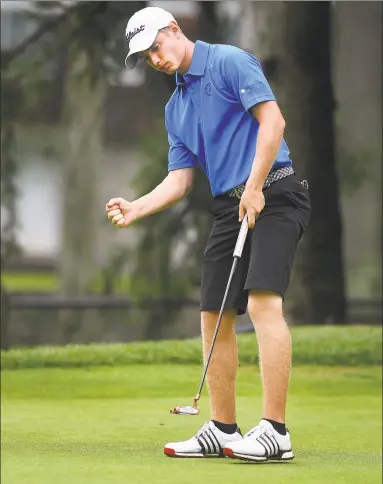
(264, 306)
(209, 321)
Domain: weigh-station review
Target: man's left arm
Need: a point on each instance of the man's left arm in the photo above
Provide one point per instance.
(270, 135)
(245, 79)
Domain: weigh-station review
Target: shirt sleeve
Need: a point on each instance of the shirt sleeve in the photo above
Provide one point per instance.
(245, 79)
(179, 155)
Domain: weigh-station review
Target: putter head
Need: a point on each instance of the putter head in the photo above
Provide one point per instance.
(187, 410)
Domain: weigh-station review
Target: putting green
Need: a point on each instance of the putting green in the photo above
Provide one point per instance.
(108, 425)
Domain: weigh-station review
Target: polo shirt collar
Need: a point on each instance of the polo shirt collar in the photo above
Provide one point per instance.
(198, 62)
(199, 59)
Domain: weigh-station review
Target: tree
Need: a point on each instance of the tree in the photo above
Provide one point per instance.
(10, 109)
(85, 35)
(292, 40)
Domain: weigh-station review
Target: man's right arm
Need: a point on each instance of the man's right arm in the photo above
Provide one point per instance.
(173, 188)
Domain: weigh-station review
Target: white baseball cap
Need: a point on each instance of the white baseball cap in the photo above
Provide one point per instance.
(142, 29)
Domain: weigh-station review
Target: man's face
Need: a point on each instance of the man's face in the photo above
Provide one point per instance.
(166, 53)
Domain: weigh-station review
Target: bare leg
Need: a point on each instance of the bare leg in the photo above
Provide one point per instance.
(274, 342)
(222, 370)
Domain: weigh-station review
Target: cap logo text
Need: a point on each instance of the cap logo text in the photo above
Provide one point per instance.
(132, 33)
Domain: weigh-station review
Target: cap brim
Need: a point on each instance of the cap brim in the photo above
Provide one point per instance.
(142, 43)
(131, 61)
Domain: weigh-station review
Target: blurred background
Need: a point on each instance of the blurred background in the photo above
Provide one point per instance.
(77, 129)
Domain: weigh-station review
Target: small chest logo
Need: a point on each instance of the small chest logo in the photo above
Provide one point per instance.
(208, 89)
(133, 33)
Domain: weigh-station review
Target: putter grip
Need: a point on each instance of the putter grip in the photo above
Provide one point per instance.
(241, 238)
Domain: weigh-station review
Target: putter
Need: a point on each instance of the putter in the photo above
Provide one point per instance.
(193, 409)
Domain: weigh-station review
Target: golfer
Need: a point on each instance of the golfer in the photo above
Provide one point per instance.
(224, 119)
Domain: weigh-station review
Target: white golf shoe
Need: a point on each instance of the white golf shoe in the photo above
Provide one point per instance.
(209, 441)
(261, 443)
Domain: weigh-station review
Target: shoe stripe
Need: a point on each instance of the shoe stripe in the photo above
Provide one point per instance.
(267, 439)
(271, 443)
(275, 444)
(273, 439)
(211, 441)
(263, 445)
(202, 445)
(218, 445)
(266, 444)
(207, 448)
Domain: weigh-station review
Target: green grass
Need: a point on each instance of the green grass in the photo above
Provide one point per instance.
(49, 282)
(325, 345)
(107, 425)
(30, 281)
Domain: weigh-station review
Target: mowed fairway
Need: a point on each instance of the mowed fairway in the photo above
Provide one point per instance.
(108, 425)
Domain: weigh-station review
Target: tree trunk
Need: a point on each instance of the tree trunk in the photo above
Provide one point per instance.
(292, 41)
(80, 153)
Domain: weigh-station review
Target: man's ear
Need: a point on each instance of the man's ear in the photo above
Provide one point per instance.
(175, 28)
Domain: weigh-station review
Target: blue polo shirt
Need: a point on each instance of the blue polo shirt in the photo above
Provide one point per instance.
(208, 119)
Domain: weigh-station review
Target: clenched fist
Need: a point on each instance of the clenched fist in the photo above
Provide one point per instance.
(121, 212)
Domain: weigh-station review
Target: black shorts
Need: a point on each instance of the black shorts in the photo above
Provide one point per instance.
(269, 251)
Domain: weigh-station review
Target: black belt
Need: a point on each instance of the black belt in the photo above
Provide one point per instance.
(271, 178)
